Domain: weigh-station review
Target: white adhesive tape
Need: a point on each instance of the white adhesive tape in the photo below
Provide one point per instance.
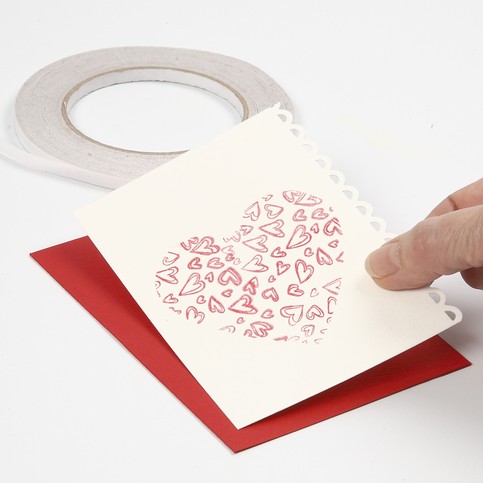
(55, 145)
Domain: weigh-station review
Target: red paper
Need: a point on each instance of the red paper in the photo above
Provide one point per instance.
(82, 271)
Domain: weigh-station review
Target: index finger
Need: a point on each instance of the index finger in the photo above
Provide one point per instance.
(471, 195)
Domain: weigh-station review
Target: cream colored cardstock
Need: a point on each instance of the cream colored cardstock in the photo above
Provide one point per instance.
(247, 254)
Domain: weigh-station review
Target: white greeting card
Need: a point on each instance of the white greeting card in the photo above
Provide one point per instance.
(247, 254)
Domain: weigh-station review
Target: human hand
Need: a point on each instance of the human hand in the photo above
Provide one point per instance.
(449, 240)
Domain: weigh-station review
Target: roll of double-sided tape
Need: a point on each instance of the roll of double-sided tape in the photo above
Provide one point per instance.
(55, 145)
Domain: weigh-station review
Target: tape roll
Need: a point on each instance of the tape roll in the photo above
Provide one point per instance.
(56, 145)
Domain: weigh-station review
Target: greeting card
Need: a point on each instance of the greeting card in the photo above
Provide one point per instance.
(82, 271)
(247, 254)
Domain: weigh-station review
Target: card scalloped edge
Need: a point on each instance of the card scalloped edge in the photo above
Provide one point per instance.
(366, 210)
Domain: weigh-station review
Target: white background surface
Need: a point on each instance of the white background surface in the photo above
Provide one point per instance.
(392, 91)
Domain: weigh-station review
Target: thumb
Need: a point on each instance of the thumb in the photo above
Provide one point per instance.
(439, 245)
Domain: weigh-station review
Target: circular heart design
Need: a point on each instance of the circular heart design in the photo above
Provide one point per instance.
(277, 277)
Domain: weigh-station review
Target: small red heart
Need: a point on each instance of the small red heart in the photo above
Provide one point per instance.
(193, 314)
(323, 258)
(168, 275)
(215, 263)
(282, 267)
(215, 305)
(273, 211)
(332, 226)
(169, 299)
(193, 285)
(195, 264)
(170, 258)
(333, 287)
(274, 228)
(308, 329)
(270, 293)
(209, 277)
(314, 311)
(303, 270)
(278, 253)
(255, 265)
(251, 286)
(261, 329)
(229, 275)
(206, 246)
(319, 214)
(267, 314)
(293, 313)
(299, 238)
(246, 229)
(253, 212)
(244, 305)
(257, 243)
(294, 289)
(299, 215)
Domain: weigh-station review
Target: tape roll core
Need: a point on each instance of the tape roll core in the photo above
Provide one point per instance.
(43, 103)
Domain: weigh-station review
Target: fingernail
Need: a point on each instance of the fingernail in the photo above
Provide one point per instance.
(384, 261)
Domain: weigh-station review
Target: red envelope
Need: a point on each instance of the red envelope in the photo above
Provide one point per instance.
(80, 268)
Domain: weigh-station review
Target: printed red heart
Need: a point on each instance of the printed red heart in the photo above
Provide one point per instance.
(293, 313)
(332, 226)
(261, 329)
(270, 293)
(243, 305)
(195, 264)
(295, 290)
(303, 270)
(282, 267)
(299, 238)
(215, 305)
(258, 277)
(253, 212)
(251, 286)
(169, 299)
(319, 214)
(215, 263)
(273, 211)
(193, 285)
(170, 258)
(255, 265)
(229, 275)
(314, 311)
(246, 229)
(193, 314)
(168, 275)
(274, 228)
(257, 243)
(323, 258)
(277, 253)
(206, 246)
(308, 330)
(299, 215)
